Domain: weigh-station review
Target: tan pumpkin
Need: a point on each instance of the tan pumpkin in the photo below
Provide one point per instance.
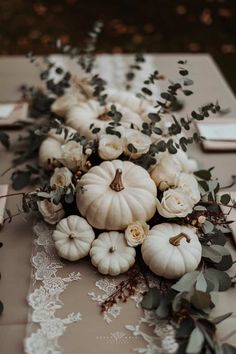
(115, 193)
(111, 254)
(73, 237)
(171, 250)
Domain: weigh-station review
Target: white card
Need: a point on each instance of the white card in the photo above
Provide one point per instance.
(218, 131)
(6, 109)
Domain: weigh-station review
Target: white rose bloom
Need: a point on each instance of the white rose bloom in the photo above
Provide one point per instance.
(166, 172)
(63, 104)
(72, 155)
(110, 147)
(188, 184)
(175, 203)
(136, 232)
(140, 141)
(188, 165)
(61, 177)
(51, 212)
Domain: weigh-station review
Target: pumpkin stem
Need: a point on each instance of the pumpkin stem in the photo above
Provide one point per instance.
(104, 117)
(72, 236)
(116, 184)
(175, 240)
(112, 249)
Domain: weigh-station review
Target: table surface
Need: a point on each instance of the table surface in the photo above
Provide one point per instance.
(17, 236)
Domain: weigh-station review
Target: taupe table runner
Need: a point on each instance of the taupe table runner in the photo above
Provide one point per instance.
(92, 334)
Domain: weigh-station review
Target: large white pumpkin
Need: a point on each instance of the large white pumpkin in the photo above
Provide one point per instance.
(115, 193)
(81, 116)
(73, 237)
(171, 250)
(111, 254)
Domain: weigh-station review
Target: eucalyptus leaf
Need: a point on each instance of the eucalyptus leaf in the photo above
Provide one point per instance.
(201, 300)
(201, 283)
(203, 174)
(207, 227)
(20, 179)
(177, 302)
(228, 349)
(211, 254)
(186, 282)
(196, 342)
(163, 309)
(185, 328)
(222, 277)
(200, 208)
(221, 250)
(151, 299)
(225, 199)
(221, 318)
(225, 263)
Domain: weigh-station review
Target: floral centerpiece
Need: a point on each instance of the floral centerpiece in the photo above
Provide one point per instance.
(119, 187)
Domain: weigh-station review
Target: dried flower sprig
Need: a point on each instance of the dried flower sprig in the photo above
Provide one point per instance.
(124, 290)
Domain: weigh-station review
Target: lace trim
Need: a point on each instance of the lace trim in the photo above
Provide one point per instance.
(161, 341)
(46, 327)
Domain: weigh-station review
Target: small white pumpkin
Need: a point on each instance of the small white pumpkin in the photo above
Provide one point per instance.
(73, 237)
(130, 100)
(50, 151)
(171, 250)
(111, 254)
(115, 193)
(81, 116)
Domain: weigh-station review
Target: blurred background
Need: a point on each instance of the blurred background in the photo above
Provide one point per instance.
(170, 26)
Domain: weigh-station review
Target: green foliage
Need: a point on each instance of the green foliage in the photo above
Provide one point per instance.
(4, 139)
(151, 299)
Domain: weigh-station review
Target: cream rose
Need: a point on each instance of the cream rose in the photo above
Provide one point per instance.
(188, 184)
(52, 213)
(72, 155)
(166, 172)
(136, 232)
(140, 141)
(175, 203)
(61, 177)
(110, 147)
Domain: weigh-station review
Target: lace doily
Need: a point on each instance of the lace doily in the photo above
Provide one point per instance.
(45, 327)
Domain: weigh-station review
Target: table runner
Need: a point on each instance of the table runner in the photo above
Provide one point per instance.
(51, 278)
(92, 332)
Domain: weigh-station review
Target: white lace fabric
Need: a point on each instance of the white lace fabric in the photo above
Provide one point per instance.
(45, 327)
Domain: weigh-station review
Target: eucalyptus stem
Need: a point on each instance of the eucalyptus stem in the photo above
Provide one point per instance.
(12, 194)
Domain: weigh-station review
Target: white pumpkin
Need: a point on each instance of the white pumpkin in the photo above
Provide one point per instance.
(171, 250)
(111, 254)
(115, 193)
(50, 151)
(81, 116)
(73, 237)
(129, 100)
